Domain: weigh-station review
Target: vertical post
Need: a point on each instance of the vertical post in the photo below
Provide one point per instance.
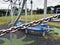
(14, 7)
(52, 9)
(26, 15)
(43, 34)
(45, 8)
(2, 17)
(31, 9)
(45, 12)
(11, 22)
(7, 13)
(26, 12)
(11, 13)
(19, 9)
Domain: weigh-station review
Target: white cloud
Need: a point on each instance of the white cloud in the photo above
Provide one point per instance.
(36, 3)
(40, 3)
(53, 2)
(4, 5)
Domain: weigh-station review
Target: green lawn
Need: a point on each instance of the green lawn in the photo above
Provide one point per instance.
(7, 19)
(54, 24)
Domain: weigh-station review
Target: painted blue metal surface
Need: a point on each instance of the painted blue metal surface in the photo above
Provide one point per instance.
(55, 9)
(55, 21)
(40, 28)
(18, 23)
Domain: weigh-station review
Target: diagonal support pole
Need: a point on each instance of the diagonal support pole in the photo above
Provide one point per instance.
(24, 1)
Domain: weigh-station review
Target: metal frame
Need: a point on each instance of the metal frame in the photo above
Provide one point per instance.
(26, 12)
(31, 9)
(45, 12)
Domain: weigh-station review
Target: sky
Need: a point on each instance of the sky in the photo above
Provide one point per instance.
(36, 4)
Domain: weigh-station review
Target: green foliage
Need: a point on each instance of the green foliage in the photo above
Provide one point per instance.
(16, 41)
(55, 30)
(58, 6)
(39, 11)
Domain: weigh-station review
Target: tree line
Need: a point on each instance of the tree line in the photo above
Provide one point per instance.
(38, 11)
(41, 11)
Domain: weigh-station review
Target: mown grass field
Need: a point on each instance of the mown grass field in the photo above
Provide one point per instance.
(7, 19)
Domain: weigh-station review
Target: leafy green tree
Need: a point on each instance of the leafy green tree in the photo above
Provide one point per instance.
(39, 11)
(57, 6)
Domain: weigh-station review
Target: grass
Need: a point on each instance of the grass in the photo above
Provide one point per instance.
(16, 41)
(54, 24)
(55, 33)
(56, 30)
(5, 19)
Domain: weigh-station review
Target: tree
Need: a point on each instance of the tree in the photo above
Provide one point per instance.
(49, 9)
(39, 11)
(2, 11)
(57, 6)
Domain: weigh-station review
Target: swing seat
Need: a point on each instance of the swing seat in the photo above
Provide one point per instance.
(40, 28)
(55, 21)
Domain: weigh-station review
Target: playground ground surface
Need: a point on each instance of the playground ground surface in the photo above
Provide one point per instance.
(20, 38)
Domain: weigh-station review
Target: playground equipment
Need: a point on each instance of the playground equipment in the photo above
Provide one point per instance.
(39, 28)
(12, 3)
(57, 11)
(31, 9)
(26, 20)
(39, 25)
(27, 25)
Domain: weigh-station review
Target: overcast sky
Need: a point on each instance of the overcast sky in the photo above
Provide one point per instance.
(36, 3)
